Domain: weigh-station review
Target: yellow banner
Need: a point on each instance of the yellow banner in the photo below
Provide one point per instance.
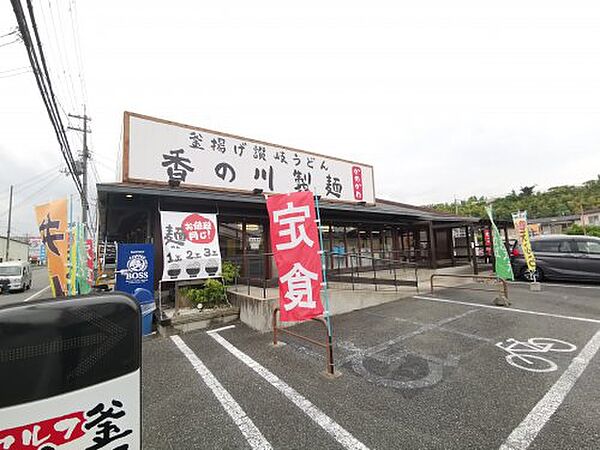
(52, 223)
(520, 221)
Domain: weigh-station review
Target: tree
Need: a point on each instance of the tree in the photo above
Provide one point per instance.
(556, 201)
(527, 191)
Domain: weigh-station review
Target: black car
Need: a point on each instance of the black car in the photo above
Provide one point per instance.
(561, 257)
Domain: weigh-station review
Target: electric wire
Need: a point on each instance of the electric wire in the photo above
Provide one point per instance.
(15, 69)
(26, 201)
(56, 49)
(10, 33)
(44, 83)
(10, 43)
(16, 74)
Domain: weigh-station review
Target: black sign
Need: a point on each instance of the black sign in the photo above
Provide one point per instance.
(56, 346)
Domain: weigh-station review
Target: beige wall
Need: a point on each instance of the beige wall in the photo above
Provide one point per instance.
(591, 219)
(17, 250)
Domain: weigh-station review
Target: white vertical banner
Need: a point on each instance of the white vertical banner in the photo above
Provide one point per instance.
(190, 246)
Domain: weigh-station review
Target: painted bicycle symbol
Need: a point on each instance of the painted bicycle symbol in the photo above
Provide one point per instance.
(522, 354)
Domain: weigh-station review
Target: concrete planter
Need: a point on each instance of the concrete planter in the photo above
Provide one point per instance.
(193, 319)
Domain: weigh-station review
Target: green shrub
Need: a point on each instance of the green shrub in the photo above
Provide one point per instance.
(194, 295)
(229, 271)
(211, 294)
(590, 230)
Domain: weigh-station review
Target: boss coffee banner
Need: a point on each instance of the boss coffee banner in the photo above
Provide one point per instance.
(135, 268)
(295, 241)
(190, 246)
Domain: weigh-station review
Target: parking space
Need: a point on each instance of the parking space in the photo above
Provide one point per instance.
(421, 372)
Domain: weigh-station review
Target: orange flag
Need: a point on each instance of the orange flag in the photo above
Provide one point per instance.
(52, 223)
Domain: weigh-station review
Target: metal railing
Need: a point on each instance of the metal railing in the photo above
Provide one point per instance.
(356, 269)
(373, 271)
(502, 299)
(328, 345)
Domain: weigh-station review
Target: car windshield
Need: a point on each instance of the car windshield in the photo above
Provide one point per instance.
(10, 270)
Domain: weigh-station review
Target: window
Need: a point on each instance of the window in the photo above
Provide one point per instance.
(230, 239)
(551, 246)
(339, 258)
(592, 247)
(10, 271)
(564, 247)
(545, 246)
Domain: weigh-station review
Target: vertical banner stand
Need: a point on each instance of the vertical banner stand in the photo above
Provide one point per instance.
(325, 283)
(70, 282)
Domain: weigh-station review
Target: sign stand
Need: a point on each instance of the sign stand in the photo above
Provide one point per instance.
(324, 269)
(331, 371)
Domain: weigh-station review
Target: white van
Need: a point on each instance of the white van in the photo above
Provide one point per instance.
(17, 273)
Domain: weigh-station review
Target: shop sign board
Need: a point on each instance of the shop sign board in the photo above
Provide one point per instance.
(190, 246)
(34, 248)
(159, 151)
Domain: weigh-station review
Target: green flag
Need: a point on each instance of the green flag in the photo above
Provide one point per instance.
(503, 268)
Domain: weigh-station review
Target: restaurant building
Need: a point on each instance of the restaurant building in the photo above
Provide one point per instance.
(168, 166)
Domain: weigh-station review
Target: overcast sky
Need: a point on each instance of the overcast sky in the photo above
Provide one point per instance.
(444, 98)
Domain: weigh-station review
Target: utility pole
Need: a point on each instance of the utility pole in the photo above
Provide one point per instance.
(582, 217)
(10, 201)
(82, 170)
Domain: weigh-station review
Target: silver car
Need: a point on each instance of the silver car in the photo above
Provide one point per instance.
(561, 257)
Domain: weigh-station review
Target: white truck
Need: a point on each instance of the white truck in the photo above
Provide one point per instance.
(15, 276)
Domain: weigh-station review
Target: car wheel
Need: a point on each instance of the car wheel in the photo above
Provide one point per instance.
(527, 275)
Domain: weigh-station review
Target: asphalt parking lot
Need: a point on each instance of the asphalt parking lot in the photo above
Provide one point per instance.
(421, 372)
(40, 288)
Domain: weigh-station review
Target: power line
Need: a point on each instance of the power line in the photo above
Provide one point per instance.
(10, 43)
(15, 69)
(16, 74)
(35, 180)
(47, 87)
(24, 202)
(63, 56)
(75, 29)
(59, 76)
(10, 33)
(44, 83)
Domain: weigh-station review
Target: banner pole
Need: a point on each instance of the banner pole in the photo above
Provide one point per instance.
(70, 280)
(324, 269)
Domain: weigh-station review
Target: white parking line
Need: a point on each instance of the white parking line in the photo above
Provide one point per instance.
(578, 286)
(216, 330)
(252, 434)
(36, 294)
(318, 416)
(505, 309)
(525, 433)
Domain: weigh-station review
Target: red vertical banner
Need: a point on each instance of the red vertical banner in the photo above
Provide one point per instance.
(357, 183)
(487, 240)
(295, 244)
(89, 251)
